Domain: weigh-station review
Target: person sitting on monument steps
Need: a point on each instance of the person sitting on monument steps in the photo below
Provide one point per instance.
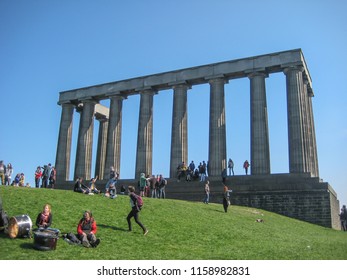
(87, 229)
(80, 187)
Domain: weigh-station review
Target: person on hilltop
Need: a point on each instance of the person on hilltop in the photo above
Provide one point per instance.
(2, 172)
(8, 174)
(45, 175)
(143, 184)
(162, 182)
(52, 177)
(21, 180)
(38, 175)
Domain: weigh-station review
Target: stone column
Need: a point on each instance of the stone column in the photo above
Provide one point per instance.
(260, 152)
(294, 83)
(85, 140)
(217, 135)
(113, 150)
(306, 128)
(101, 149)
(312, 138)
(62, 162)
(179, 138)
(145, 134)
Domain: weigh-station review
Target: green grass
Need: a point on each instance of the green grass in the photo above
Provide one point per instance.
(178, 230)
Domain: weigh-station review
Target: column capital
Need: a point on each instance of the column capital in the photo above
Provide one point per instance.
(149, 91)
(217, 79)
(298, 68)
(253, 74)
(117, 95)
(181, 86)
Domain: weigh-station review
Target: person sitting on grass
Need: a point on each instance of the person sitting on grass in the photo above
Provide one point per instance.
(92, 186)
(86, 230)
(44, 218)
(80, 187)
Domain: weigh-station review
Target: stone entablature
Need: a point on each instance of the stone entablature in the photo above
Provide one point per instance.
(233, 69)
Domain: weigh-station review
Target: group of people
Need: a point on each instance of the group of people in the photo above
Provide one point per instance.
(246, 166)
(6, 172)
(91, 189)
(192, 173)
(87, 226)
(226, 195)
(152, 186)
(189, 172)
(46, 175)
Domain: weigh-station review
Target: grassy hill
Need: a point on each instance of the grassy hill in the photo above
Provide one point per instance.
(178, 230)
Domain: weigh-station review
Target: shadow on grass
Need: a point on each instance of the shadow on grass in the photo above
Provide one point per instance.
(112, 227)
(215, 210)
(27, 246)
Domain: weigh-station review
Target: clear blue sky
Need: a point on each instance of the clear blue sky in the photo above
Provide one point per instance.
(52, 46)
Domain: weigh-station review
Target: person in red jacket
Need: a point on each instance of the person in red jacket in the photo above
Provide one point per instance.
(86, 230)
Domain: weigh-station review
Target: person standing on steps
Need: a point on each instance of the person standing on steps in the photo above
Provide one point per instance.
(246, 166)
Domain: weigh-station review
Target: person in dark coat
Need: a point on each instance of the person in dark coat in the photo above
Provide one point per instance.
(135, 209)
(44, 218)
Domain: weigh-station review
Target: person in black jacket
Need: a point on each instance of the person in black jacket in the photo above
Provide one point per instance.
(135, 209)
(80, 187)
(44, 218)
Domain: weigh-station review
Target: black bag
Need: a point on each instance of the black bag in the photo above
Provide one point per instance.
(72, 239)
(3, 220)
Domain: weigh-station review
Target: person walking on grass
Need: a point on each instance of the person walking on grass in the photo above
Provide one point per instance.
(136, 204)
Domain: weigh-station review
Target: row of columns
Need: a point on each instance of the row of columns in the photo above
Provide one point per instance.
(301, 134)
